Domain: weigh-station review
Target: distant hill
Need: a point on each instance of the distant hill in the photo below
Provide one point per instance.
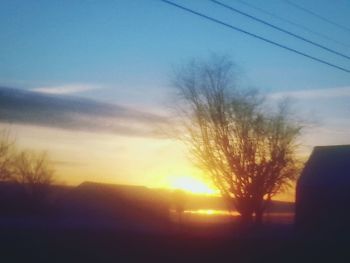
(144, 194)
(89, 194)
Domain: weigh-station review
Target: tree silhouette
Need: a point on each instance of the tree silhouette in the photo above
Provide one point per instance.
(248, 150)
(6, 154)
(179, 201)
(30, 170)
(34, 172)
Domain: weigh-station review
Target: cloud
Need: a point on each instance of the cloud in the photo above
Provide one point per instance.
(66, 89)
(339, 92)
(67, 112)
(324, 113)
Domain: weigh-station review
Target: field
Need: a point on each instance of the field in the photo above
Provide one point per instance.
(274, 243)
(108, 223)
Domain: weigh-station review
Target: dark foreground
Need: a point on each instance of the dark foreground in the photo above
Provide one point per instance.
(273, 243)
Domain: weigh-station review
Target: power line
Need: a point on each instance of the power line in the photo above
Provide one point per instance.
(279, 28)
(303, 27)
(254, 35)
(317, 15)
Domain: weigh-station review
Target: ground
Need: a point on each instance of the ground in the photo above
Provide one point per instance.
(204, 243)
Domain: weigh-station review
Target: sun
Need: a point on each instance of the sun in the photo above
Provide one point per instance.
(192, 185)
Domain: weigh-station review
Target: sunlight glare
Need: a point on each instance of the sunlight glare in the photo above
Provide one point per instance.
(192, 185)
(212, 212)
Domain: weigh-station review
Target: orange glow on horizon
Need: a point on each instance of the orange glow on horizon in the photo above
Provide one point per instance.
(210, 212)
(79, 156)
(191, 184)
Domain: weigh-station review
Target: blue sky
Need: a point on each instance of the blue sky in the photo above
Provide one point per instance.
(123, 52)
(132, 45)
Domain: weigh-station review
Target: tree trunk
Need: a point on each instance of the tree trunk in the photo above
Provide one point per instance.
(246, 219)
(259, 217)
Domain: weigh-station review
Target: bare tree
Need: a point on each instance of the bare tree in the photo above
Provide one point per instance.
(248, 150)
(34, 172)
(6, 153)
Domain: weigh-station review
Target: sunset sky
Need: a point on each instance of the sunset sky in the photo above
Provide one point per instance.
(88, 81)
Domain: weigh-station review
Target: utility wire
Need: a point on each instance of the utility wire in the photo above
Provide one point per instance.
(279, 28)
(317, 15)
(254, 35)
(303, 27)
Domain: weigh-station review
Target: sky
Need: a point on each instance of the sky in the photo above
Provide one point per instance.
(104, 67)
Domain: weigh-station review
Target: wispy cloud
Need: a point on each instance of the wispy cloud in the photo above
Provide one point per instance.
(339, 92)
(74, 113)
(66, 89)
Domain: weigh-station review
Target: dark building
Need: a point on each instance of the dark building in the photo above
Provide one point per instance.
(323, 191)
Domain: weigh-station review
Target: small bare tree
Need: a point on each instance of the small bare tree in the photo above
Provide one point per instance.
(34, 172)
(248, 151)
(6, 154)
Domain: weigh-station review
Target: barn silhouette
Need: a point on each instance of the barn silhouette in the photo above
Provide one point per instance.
(323, 191)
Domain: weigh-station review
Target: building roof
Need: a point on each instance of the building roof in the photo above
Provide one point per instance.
(328, 166)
